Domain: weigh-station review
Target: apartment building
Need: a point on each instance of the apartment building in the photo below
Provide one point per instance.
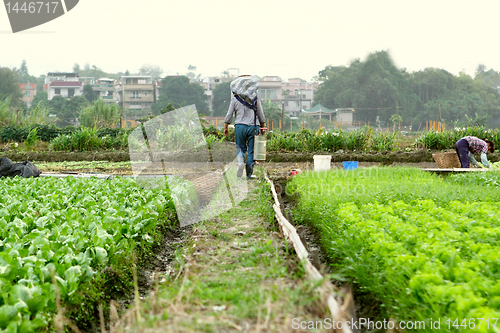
(136, 92)
(104, 89)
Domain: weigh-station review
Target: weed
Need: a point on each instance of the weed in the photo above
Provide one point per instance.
(32, 139)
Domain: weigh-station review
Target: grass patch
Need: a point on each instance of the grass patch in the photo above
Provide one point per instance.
(233, 274)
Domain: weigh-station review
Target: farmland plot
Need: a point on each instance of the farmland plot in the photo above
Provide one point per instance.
(72, 229)
(427, 248)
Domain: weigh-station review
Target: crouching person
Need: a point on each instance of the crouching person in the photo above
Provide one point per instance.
(467, 146)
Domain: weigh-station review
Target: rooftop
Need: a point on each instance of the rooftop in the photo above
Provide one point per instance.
(62, 74)
(137, 77)
(26, 86)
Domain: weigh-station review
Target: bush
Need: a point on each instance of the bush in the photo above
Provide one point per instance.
(13, 133)
(47, 133)
(44, 132)
(87, 139)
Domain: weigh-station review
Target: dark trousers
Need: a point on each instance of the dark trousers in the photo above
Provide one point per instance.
(245, 137)
(462, 149)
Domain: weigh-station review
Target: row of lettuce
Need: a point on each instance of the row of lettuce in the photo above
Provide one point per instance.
(85, 233)
(423, 246)
(361, 140)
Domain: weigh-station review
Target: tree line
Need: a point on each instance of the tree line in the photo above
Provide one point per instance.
(377, 90)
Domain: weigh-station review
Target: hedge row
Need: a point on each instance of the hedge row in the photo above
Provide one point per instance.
(47, 133)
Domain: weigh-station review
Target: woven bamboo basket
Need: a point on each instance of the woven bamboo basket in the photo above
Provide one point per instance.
(447, 160)
(205, 184)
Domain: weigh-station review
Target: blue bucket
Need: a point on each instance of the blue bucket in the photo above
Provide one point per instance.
(350, 165)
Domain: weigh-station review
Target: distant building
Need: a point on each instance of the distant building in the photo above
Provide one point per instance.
(341, 117)
(86, 80)
(158, 85)
(66, 89)
(61, 76)
(298, 95)
(136, 92)
(62, 84)
(29, 91)
(321, 112)
(208, 85)
(345, 116)
(105, 90)
(270, 88)
(295, 94)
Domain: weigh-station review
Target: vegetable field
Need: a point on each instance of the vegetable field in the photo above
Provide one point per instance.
(425, 247)
(82, 232)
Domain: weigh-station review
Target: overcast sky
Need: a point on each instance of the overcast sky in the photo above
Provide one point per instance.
(272, 37)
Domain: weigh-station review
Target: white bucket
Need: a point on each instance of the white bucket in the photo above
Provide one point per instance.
(322, 162)
(259, 153)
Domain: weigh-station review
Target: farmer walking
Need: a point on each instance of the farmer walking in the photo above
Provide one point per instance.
(467, 146)
(249, 120)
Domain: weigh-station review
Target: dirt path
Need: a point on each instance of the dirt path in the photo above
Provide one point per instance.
(234, 274)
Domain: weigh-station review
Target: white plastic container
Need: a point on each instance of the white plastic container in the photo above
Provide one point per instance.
(322, 162)
(259, 153)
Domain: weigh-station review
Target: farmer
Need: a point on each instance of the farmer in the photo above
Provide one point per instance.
(467, 146)
(249, 116)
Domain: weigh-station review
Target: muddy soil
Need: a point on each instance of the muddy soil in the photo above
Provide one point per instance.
(51, 156)
(278, 171)
(385, 158)
(156, 268)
